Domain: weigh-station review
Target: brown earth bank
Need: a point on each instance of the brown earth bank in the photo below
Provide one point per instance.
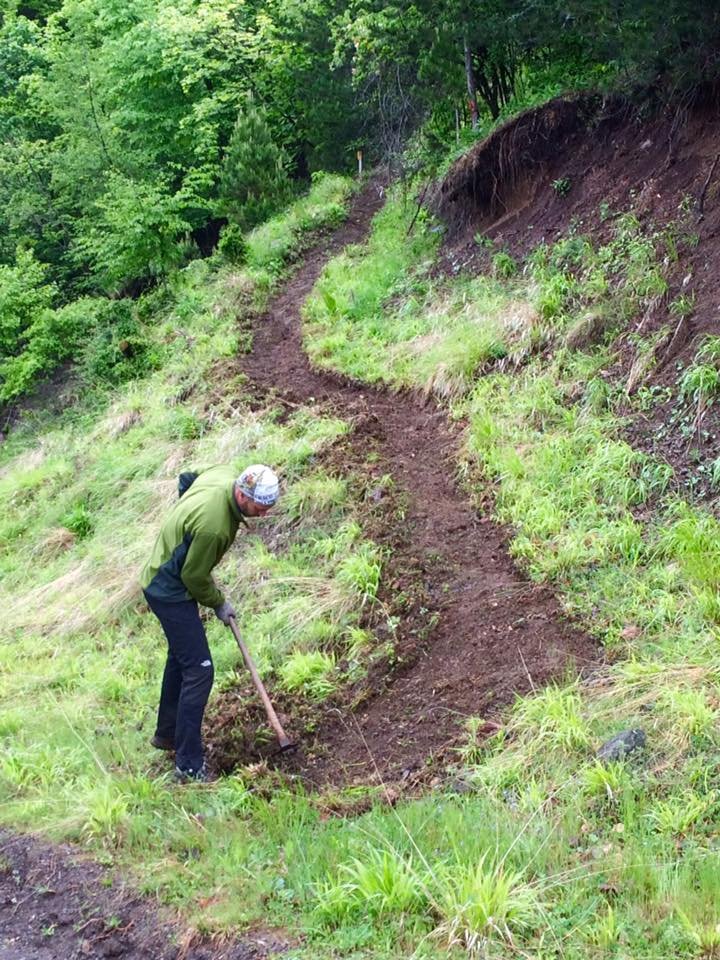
(611, 157)
(55, 905)
(476, 632)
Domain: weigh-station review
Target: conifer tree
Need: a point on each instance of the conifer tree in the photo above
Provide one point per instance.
(254, 181)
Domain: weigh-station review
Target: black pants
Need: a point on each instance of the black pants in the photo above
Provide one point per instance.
(187, 680)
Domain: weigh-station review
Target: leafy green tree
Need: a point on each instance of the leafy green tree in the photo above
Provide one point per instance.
(669, 43)
(24, 293)
(305, 89)
(132, 232)
(52, 337)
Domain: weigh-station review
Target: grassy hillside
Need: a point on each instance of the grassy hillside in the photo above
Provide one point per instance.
(532, 847)
(523, 353)
(85, 491)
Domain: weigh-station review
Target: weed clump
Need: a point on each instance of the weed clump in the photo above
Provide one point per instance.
(309, 672)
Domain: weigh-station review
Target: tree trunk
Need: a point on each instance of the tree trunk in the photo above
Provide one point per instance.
(471, 85)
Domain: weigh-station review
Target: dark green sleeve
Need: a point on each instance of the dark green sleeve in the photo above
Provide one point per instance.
(205, 551)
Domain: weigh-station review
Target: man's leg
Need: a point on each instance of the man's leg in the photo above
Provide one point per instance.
(169, 699)
(197, 682)
(189, 649)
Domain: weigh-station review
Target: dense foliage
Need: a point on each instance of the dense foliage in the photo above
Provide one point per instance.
(131, 131)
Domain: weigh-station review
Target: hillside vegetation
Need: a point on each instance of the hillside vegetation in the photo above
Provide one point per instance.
(513, 352)
(162, 185)
(137, 135)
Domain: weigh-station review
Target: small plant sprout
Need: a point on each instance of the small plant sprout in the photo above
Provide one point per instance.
(106, 815)
(359, 573)
(313, 496)
(607, 781)
(553, 717)
(562, 186)
(504, 265)
(683, 306)
(473, 748)
(689, 710)
(78, 521)
(677, 815)
(606, 931)
(700, 384)
(379, 883)
(483, 241)
(709, 352)
(705, 935)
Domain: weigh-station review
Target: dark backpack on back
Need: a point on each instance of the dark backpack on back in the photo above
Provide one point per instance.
(185, 481)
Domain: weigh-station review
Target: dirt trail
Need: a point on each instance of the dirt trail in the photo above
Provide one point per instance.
(495, 632)
(57, 905)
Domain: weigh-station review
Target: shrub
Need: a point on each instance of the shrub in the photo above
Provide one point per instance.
(504, 265)
(23, 295)
(79, 521)
(104, 336)
(232, 244)
(118, 349)
(133, 232)
(52, 337)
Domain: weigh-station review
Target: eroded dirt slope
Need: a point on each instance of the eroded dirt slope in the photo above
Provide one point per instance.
(577, 163)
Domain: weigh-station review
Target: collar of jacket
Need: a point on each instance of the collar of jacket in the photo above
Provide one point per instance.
(237, 512)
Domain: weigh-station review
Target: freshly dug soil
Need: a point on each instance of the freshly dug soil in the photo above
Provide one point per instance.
(474, 631)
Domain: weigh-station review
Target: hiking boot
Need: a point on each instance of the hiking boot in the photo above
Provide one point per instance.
(162, 743)
(192, 776)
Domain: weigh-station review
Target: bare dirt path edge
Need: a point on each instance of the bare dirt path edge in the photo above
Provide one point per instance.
(57, 905)
(491, 633)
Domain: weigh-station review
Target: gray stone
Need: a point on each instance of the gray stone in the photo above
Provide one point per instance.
(621, 745)
(461, 786)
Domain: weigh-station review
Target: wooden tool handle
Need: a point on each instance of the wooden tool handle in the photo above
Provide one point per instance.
(283, 738)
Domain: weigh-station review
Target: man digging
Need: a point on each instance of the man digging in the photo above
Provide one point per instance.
(194, 537)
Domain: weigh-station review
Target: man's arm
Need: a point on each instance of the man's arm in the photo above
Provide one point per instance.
(205, 551)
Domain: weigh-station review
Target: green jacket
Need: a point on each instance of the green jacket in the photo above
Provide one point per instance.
(193, 538)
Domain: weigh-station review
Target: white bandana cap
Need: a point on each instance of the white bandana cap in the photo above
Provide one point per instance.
(260, 483)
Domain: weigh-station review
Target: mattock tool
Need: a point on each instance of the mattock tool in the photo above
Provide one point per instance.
(286, 744)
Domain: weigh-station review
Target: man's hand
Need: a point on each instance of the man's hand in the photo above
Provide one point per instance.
(224, 612)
